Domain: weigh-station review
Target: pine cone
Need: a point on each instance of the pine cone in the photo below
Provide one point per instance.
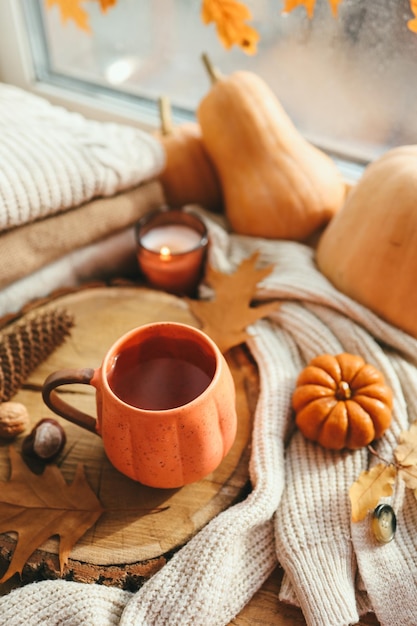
(27, 344)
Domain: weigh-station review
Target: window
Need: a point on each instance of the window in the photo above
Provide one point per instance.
(348, 83)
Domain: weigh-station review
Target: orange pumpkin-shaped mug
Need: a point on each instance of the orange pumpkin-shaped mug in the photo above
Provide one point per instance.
(165, 401)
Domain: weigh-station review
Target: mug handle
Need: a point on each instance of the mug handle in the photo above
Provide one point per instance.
(62, 408)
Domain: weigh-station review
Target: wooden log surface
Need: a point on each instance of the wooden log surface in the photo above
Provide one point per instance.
(142, 527)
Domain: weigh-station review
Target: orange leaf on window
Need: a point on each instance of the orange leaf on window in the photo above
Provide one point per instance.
(37, 507)
(412, 24)
(370, 487)
(106, 4)
(293, 4)
(226, 317)
(230, 17)
(334, 5)
(71, 10)
(309, 6)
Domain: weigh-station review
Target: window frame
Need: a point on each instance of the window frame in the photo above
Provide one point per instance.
(16, 68)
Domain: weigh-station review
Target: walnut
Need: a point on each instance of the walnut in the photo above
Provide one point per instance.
(14, 419)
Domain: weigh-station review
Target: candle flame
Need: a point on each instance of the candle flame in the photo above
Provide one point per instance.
(165, 252)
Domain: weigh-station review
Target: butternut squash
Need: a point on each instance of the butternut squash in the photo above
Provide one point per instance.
(369, 249)
(275, 183)
(188, 176)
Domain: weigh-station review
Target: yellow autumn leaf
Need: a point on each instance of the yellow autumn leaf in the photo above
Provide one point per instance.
(370, 487)
(406, 451)
(406, 456)
(230, 18)
(409, 476)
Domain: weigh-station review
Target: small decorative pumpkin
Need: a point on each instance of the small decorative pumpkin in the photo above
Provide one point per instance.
(275, 183)
(342, 402)
(369, 249)
(188, 176)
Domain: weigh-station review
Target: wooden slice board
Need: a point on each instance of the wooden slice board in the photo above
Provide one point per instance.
(142, 527)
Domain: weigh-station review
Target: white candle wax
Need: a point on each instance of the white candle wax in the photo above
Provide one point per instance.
(176, 237)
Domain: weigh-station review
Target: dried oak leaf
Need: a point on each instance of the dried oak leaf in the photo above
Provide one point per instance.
(37, 507)
(230, 17)
(370, 487)
(406, 456)
(226, 317)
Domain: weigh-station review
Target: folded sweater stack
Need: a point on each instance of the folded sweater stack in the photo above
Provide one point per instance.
(70, 191)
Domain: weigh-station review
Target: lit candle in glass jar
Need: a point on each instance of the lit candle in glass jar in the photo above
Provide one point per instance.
(171, 249)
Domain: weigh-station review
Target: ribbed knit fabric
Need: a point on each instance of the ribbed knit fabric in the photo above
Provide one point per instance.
(313, 520)
(64, 603)
(390, 570)
(52, 159)
(298, 512)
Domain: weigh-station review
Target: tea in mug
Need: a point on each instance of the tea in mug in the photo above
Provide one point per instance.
(155, 381)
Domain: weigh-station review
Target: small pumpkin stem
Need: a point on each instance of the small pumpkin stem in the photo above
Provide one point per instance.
(343, 391)
(214, 74)
(165, 115)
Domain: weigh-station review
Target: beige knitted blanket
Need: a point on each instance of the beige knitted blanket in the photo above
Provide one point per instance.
(298, 512)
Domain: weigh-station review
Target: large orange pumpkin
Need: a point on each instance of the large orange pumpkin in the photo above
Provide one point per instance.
(369, 249)
(342, 402)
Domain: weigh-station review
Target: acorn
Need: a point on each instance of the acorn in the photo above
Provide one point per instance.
(46, 440)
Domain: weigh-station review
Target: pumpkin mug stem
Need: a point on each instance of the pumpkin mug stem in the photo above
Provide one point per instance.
(60, 407)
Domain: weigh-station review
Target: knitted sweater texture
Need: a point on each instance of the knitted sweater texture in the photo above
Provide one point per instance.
(298, 512)
(52, 159)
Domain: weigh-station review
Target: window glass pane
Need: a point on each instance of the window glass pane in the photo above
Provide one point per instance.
(347, 83)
